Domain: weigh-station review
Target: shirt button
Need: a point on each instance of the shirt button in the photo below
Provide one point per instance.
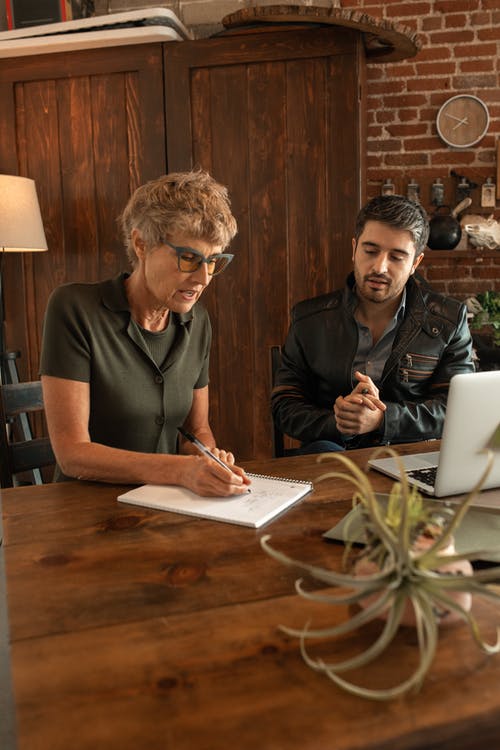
(158, 379)
(160, 420)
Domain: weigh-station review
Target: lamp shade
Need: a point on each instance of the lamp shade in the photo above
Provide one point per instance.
(21, 227)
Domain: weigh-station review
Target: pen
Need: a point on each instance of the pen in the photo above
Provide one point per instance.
(203, 448)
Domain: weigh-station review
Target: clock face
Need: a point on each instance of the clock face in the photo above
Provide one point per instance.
(462, 121)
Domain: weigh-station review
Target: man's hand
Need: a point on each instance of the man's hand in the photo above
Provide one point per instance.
(365, 386)
(361, 411)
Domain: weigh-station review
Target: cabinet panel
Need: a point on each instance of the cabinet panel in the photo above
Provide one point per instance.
(277, 117)
(88, 127)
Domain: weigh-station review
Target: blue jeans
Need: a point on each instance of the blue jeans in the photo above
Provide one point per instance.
(319, 446)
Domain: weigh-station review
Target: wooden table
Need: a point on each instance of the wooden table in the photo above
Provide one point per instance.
(144, 630)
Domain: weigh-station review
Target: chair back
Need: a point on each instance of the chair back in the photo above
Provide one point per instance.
(27, 454)
(278, 447)
(279, 450)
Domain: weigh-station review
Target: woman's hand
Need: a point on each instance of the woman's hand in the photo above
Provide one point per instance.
(207, 478)
(226, 456)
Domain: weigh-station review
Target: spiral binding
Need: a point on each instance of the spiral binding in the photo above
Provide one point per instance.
(280, 479)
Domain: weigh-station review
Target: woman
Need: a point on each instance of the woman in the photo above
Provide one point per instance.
(125, 361)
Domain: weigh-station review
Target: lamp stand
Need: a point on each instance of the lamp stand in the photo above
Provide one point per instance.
(8, 366)
(2, 326)
(10, 374)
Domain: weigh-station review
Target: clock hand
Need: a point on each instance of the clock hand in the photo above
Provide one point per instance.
(453, 117)
(462, 122)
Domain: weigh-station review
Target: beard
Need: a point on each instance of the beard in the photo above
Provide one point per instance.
(376, 288)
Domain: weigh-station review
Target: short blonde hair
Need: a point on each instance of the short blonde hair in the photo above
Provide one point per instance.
(188, 203)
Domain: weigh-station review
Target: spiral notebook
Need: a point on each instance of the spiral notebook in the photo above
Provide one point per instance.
(268, 497)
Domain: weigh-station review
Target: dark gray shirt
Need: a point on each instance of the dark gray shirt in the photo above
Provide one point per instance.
(134, 404)
(370, 359)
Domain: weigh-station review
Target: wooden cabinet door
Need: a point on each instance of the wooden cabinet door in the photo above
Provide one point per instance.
(89, 128)
(276, 117)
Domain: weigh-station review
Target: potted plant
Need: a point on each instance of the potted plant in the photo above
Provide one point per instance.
(485, 310)
(407, 573)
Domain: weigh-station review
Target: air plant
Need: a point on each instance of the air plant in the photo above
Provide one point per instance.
(406, 565)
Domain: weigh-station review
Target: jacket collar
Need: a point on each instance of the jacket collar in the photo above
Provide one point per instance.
(414, 303)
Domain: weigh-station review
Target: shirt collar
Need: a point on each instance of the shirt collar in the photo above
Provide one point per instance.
(398, 315)
(400, 312)
(114, 297)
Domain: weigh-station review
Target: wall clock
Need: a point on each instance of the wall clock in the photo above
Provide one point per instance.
(462, 121)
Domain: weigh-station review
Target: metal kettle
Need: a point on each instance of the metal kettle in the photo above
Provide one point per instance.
(445, 230)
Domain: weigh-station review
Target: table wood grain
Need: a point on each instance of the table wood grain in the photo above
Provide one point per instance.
(137, 629)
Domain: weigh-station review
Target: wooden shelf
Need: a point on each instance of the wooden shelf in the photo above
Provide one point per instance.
(473, 253)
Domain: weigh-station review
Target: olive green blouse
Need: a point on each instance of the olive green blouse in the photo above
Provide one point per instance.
(89, 335)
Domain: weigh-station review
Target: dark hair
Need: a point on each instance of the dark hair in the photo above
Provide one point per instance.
(398, 212)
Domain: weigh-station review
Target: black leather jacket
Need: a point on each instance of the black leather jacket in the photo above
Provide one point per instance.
(432, 344)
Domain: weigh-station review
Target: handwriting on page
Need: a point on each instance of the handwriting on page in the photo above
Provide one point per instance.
(253, 500)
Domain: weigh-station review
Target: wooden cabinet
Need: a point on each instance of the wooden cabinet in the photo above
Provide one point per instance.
(276, 116)
(88, 127)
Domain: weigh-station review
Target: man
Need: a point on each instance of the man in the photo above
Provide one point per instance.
(371, 364)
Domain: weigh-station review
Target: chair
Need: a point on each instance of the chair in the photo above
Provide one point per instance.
(279, 450)
(26, 454)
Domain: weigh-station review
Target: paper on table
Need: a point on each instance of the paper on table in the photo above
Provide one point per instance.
(269, 496)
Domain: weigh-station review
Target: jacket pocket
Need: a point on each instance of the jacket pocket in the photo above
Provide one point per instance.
(416, 367)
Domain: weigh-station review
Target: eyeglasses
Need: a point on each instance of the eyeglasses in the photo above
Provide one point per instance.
(189, 260)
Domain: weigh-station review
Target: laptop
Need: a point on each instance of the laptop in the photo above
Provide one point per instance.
(472, 418)
(479, 530)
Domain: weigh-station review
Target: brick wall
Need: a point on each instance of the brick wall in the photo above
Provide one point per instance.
(460, 54)
(461, 274)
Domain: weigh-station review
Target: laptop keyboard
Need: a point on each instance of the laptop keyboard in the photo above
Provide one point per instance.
(426, 476)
